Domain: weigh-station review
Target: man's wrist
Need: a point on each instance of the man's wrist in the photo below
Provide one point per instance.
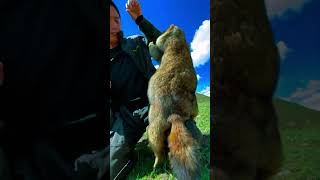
(139, 19)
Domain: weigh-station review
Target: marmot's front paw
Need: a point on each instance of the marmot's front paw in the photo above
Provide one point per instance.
(155, 51)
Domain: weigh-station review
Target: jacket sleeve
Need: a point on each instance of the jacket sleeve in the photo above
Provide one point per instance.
(150, 31)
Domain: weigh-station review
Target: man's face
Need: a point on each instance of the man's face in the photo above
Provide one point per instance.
(115, 26)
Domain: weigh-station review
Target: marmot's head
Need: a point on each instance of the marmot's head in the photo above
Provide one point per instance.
(172, 35)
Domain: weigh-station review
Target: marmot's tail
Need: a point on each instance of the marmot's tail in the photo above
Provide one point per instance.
(183, 149)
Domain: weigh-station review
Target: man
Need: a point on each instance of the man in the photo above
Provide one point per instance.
(131, 69)
(53, 83)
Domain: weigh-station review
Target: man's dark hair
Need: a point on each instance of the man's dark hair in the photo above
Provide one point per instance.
(114, 5)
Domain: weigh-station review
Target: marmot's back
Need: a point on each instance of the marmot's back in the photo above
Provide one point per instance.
(172, 99)
(176, 72)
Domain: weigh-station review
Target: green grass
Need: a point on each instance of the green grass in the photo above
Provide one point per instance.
(143, 169)
(300, 133)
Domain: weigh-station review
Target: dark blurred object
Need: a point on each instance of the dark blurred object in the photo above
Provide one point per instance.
(245, 71)
(54, 57)
(1, 73)
(96, 160)
(55, 73)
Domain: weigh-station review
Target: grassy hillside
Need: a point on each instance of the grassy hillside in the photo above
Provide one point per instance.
(296, 116)
(143, 169)
(300, 133)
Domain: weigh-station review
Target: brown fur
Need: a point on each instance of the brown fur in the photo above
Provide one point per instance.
(172, 100)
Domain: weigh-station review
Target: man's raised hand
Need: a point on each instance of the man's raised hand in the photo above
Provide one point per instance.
(133, 8)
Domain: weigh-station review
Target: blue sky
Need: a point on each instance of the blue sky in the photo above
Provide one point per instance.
(191, 16)
(296, 30)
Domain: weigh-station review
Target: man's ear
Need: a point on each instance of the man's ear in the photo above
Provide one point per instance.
(155, 51)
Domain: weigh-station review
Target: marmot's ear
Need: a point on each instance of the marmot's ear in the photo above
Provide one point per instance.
(155, 51)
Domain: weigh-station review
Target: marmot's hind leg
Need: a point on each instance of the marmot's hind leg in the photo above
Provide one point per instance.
(157, 137)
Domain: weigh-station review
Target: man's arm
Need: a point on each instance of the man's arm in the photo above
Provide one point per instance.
(151, 32)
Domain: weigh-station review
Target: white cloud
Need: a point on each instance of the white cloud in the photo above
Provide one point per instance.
(156, 66)
(206, 91)
(283, 49)
(198, 77)
(309, 96)
(200, 45)
(280, 7)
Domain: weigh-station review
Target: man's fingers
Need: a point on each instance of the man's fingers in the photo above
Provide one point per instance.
(135, 4)
(136, 1)
(129, 6)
